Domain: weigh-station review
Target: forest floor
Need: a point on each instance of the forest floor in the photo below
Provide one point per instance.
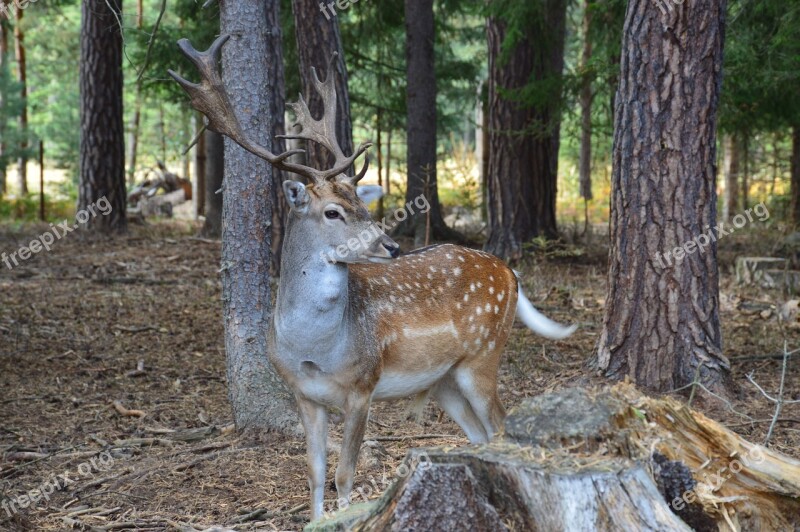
(137, 320)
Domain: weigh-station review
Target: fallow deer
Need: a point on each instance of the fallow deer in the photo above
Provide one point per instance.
(356, 323)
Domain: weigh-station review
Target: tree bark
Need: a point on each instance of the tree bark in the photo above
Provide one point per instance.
(585, 159)
(730, 201)
(317, 39)
(661, 324)
(199, 191)
(259, 397)
(215, 169)
(523, 165)
(795, 183)
(421, 125)
(4, 30)
(280, 209)
(22, 71)
(102, 139)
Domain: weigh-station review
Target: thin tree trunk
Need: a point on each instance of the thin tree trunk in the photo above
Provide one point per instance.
(795, 171)
(133, 137)
(187, 138)
(4, 30)
(730, 163)
(585, 164)
(102, 135)
(259, 396)
(317, 39)
(389, 162)
(22, 71)
(523, 166)
(379, 150)
(746, 171)
(199, 195)
(421, 124)
(280, 209)
(162, 133)
(215, 170)
(661, 324)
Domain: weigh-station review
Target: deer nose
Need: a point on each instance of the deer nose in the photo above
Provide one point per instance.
(393, 249)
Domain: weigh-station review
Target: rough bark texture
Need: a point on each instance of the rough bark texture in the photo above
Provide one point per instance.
(421, 124)
(215, 169)
(259, 397)
(523, 166)
(606, 461)
(661, 324)
(795, 185)
(730, 201)
(317, 39)
(22, 71)
(102, 143)
(280, 209)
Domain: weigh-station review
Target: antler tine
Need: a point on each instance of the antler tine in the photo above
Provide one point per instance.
(322, 131)
(210, 98)
(356, 178)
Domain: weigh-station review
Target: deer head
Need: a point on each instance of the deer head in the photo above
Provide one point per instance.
(329, 212)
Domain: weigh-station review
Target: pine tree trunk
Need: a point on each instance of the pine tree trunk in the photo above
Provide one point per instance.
(585, 159)
(280, 209)
(102, 139)
(795, 184)
(199, 191)
(22, 70)
(133, 136)
(730, 163)
(523, 167)
(214, 170)
(259, 396)
(661, 324)
(4, 30)
(317, 39)
(421, 124)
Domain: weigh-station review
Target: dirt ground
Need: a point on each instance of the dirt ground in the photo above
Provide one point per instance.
(137, 320)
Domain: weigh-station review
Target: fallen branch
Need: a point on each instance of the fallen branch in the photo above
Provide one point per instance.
(126, 412)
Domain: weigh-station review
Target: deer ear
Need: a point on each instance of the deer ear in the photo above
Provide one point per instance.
(369, 193)
(296, 195)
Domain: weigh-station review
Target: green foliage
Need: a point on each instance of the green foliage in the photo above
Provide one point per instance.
(762, 66)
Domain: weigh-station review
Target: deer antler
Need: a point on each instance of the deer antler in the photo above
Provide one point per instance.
(210, 98)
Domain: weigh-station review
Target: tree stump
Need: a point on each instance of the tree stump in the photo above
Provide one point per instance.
(609, 459)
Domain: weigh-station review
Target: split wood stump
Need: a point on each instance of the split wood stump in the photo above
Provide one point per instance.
(577, 460)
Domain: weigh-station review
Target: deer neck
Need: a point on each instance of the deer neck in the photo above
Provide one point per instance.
(312, 302)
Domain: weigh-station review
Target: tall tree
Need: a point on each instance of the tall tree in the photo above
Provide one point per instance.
(523, 134)
(730, 170)
(280, 208)
(421, 122)
(318, 37)
(259, 396)
(661, 324)
(22, 73)
(4, 77)
(214, 171)
(586, 97)
(795, 172)
(102, 139)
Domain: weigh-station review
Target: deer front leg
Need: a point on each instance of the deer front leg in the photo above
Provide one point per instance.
(355, 423)
(315, 423)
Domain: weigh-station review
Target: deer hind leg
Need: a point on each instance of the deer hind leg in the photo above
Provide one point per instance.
(315, 423)
(452, 401)
(355, 423)
(479, 386)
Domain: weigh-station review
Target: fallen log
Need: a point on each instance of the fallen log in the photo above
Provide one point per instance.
(603, 460)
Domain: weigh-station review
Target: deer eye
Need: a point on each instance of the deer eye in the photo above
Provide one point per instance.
(332, 214)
